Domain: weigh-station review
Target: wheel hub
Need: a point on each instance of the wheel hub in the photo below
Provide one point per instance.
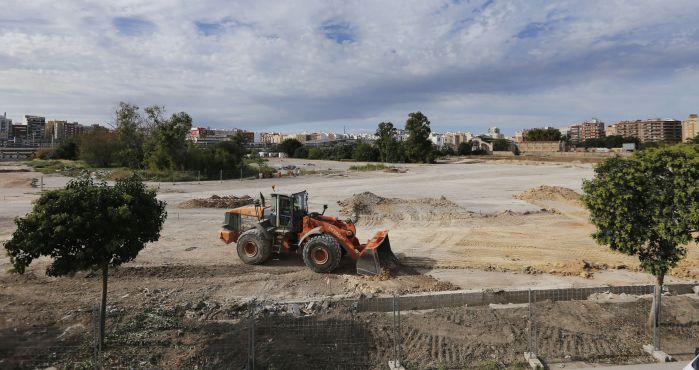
(250, 249)
(320, 256)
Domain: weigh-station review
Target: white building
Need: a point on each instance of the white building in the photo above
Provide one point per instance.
(437, 139)
(494, 133)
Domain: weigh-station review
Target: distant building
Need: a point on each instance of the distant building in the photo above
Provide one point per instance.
(654, 130)
(18, 134)
(36, 126)
(541, 146)
(611, 130)
(5, 124)
(494, 133)
(690, 127)
(591, 129)
(270, 138)
(437, 139)
(456, 138)
(60, 130)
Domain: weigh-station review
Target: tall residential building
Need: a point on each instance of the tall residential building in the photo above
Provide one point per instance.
(611, 130)
(690, 127)
(591, 129)
(5, 124)
(655, 130)
(61, 130)
(456, 138)
(35, 128)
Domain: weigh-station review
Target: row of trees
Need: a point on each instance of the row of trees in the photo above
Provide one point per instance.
(417, 148)
(154, 142)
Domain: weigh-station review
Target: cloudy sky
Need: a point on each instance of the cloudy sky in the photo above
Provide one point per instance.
(294, 65)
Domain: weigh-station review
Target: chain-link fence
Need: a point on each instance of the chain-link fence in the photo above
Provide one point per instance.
(465, 329)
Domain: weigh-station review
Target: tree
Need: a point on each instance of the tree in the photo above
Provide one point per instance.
(693, 140)
(130, 136)
(301, 152)
(88, 226)
(465, 148)
(418, 146)
(69, 149)
(386, 140)
(289, 146)
(97, 147)
(542, 134)
(501, 145)
(647, 206)
(365, 152)
(168, 149)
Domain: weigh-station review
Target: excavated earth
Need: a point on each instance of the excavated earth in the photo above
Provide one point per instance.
(183, 302)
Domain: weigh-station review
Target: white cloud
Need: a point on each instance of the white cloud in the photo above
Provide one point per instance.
(260, 64)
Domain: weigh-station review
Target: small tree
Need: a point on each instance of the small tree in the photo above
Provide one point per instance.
(465, 148)
(647, 206)
(418, 146)
(88, 226)
(97, 147)
(289, 146)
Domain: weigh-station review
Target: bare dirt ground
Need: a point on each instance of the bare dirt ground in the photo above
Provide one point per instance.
(463, 225)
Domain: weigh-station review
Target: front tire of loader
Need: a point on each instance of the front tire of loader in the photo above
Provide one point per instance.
(322, 253)
(253, 248)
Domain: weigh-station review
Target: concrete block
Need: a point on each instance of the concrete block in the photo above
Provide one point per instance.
(395, 365)
(696, 289)
(533, 361)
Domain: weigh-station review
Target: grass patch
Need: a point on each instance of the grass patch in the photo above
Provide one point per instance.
(369, 167)
(58, 166)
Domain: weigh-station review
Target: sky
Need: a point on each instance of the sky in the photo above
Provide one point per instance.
(334, 65)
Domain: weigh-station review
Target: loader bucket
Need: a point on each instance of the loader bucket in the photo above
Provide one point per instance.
(377, 255)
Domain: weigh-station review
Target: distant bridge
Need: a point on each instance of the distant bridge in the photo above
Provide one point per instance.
(14, 154)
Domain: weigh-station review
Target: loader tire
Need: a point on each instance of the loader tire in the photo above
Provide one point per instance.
(253, 248)
(322, 253)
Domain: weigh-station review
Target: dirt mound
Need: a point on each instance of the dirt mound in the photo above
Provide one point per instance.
(371, 208)
(395, 170)
(215, 201)
(545, 192)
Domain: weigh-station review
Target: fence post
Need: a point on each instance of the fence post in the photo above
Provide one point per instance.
(657, 317)
(241, 173)
(220, 176)
(42, 183)
(96, 348)
(198, 176)
(395, 364)
(529, 322)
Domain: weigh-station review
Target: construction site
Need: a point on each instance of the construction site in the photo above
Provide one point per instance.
(494, 260)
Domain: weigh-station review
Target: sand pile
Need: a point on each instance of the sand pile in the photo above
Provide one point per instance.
(370, 208)
(215, 201)
(395, 170)
(548, 193)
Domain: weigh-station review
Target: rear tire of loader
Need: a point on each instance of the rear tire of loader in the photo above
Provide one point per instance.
(322, 253)
(253, 248)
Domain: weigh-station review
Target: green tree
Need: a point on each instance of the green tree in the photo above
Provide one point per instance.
(693, 140)
(647, 205)
(168, 147)
(418, 146)
(68, 149)
(365, 152)
(315, 153)
(386, 140)
(289, 146)
(465, 148)
(97, 147)
(301, 152)
(542, 134)
(501, 145)
(130, 136)
(88, 226)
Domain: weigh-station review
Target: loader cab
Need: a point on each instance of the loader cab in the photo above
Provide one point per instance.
(288, 210)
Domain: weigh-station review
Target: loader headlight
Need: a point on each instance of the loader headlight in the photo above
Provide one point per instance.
(349, 233)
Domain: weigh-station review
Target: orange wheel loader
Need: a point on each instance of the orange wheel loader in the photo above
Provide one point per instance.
(286, 226)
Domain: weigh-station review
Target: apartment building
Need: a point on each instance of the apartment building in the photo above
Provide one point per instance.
(591, 129)
(456, 138)
(60, 130)
(5, 124)
(654, 130)
(690, 127)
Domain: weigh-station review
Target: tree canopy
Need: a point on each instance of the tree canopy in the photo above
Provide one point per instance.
(289, 146)
(647, 205)
(418, 146)
(87, 226)
(542, 134)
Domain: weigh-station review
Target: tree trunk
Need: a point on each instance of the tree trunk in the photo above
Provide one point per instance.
(654, 317)
(103, 306)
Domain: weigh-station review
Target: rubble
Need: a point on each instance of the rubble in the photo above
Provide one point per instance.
(215, 201)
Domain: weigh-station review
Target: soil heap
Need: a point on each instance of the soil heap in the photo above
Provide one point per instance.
(545, 192)
(215, 201)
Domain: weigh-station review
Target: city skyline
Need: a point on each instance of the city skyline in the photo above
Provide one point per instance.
(263, 67)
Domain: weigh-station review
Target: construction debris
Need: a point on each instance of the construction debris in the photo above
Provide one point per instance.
(215, 201)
